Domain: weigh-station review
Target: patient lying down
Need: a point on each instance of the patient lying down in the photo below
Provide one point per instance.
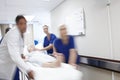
(44, 60)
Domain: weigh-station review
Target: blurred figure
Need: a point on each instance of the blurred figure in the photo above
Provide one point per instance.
(6, 30)
(11, 50)
(65, 46)
(48, 40)
(1, 39)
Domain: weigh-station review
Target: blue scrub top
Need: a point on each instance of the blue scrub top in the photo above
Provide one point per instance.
(47, 42)
(65, 48)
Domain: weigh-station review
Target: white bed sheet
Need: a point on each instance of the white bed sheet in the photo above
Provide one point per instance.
(65, 72)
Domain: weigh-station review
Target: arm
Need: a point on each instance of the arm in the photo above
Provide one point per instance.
(73, 53)
(55, 53)
(50, 46)
(45, 48)
(53, 64)
(73, 57)
(54, 49)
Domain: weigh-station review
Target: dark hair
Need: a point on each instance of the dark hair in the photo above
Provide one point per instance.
(7, 29)
(18, 18)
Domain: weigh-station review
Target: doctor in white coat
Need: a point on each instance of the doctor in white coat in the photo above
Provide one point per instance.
(11, 50)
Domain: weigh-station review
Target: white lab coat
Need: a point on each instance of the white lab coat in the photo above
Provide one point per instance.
(11, 49)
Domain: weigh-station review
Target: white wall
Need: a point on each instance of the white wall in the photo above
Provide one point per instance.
(38, 32)
(102, 32)
(28, 36)
(38, 26)
(96, 42)
(115, 20)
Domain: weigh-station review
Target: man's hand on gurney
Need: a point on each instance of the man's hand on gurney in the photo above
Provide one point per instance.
(23, 57)
(31, 74)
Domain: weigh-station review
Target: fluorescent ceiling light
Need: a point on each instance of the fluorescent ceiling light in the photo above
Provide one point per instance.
(29, 18)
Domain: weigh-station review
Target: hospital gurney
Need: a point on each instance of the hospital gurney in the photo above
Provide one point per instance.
(65, 72)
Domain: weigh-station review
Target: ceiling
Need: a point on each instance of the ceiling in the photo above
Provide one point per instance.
(39, 8)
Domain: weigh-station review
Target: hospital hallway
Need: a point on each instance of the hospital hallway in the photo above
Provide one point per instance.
(92, 27)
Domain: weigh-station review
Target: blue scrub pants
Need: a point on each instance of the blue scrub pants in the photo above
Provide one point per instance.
(16, 77)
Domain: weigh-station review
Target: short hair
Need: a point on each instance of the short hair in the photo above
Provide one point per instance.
(18, 18)
(7, 29)
(45, 26)
(63, 25)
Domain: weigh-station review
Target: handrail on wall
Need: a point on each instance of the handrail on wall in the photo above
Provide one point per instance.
(107, 64)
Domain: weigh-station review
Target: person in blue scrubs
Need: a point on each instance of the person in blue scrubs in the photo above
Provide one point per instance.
(65, 46)
(48, 40)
